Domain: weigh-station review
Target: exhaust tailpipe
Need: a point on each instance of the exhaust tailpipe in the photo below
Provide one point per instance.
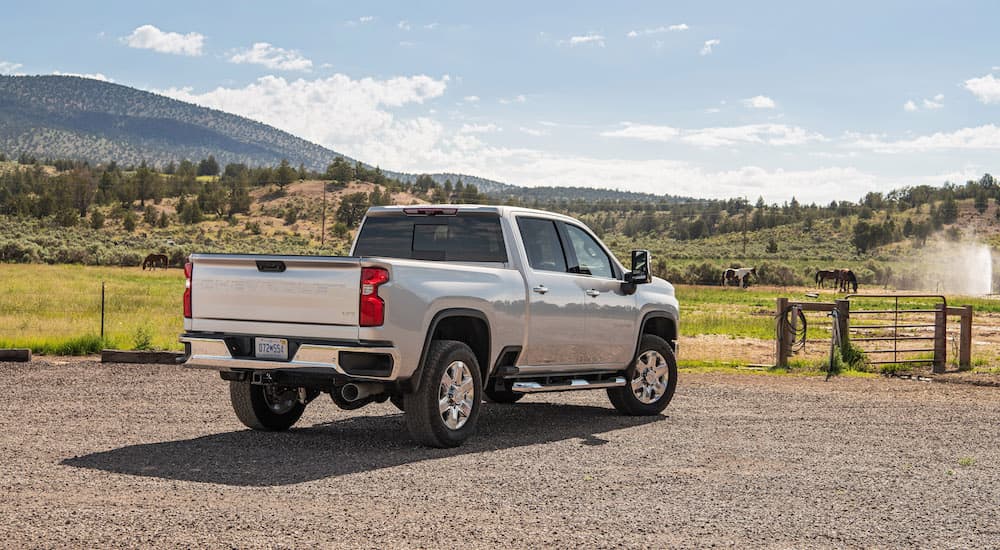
(355, 392)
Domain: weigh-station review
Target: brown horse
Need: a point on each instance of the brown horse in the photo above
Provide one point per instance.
(155, 260)
(824, 274)
(847, 279)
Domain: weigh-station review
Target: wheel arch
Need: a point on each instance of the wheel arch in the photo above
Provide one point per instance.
(469, 326)
(658, 323)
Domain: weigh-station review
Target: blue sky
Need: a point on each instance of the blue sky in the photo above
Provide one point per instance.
(709, 99)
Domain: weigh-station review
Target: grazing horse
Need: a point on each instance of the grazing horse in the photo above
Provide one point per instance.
(739, 276)
(824, 274)
(155, 260)
(847, 278)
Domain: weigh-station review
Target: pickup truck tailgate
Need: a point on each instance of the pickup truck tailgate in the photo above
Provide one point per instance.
(276, 289)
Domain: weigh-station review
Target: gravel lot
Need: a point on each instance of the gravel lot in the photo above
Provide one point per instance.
(118, 455)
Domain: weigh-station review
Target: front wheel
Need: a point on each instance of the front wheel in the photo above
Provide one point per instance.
(265, 407)
(650, 380)
(443, 411)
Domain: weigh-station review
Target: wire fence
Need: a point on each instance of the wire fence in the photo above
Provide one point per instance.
(72, 318)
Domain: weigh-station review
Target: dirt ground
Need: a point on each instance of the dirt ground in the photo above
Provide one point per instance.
(113, 455)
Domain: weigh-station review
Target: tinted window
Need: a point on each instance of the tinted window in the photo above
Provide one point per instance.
(591, 257)
(453, 238)
(541, 243)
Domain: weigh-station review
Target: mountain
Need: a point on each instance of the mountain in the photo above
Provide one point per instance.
(68, 117)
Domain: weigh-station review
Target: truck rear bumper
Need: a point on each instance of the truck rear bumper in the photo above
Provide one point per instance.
(360, 362)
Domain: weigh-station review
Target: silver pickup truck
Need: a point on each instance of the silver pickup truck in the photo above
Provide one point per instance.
(435, 308)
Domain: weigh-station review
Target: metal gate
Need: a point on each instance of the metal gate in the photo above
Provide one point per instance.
(896, 328)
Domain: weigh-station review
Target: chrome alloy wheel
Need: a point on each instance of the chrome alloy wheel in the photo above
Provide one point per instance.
(650, 376)
(280, 400)
(456, 395)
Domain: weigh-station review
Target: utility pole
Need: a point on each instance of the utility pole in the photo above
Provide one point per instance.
(322, 235)
(746, 206)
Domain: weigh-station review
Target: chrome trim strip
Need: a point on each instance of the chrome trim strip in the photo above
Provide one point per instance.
(574, 384)
(212, 354)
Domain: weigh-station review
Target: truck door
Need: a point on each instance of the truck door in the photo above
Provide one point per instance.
(556, 302)
(612, 315)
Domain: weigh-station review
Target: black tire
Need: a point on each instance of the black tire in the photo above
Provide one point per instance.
(252, 408)
(424, 419)
(503, 395)
(625, 399)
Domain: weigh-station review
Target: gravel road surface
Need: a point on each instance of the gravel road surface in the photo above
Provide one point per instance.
(116, 455)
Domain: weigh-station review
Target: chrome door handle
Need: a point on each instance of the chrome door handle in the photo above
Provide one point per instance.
(540, 289)
(593, 293)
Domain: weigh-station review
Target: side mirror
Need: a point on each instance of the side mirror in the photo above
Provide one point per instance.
(640, 268)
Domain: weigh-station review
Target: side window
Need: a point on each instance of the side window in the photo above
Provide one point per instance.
(541, 242)
(591, 257)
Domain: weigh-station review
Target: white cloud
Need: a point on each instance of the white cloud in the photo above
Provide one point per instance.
(407, 44)
(657, 30)
(403, 25)
(93, 76)
(982, 138)
(519, 98)
(724, 136)
(352, 116)
(535, 132)
(709, 44)
(148, 37)
(909, 106)
(361, 20)
(759, 102)
(431, 26)
(480, 128)
(471, 99)
(592, 38)
(272, 57)
(7, 67)
(985, 88)
(935, 103)
(713, 110)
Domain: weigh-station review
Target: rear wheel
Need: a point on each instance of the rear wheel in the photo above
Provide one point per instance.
(443, 411)
(650, 380)
(265, 407)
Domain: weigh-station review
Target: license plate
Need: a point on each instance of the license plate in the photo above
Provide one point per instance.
(271, 348)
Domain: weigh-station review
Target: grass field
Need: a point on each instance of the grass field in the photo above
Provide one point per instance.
(56, 309)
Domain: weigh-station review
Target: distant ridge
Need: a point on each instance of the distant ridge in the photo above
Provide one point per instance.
(69, 117)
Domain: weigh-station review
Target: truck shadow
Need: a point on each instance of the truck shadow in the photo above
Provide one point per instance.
(358, 444)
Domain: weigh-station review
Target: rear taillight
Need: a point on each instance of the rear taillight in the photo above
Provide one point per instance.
(188, 272)
(372, 306)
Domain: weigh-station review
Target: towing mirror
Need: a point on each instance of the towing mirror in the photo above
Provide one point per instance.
(640, 268)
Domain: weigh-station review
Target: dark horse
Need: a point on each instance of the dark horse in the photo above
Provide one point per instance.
(824, 274)
(847, 278)
(155, 260)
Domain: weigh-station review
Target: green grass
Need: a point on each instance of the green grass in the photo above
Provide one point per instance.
(57, 309)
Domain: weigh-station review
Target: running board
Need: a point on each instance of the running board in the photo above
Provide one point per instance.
(567, 385)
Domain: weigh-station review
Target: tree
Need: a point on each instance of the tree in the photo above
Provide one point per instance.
(982, 202)
(352, 208)
(772, 246)
(208, 167)
(949, 210)
(340, 230)
(129, 222)
(149, 216)
(285, 174)
(96, 219)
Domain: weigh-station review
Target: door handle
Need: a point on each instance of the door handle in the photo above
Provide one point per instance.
(593, 293)
(540, 289)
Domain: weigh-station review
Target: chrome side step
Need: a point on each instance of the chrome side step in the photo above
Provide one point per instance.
(567, 385)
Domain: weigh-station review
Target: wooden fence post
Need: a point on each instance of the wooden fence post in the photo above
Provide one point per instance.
(965, 338)
(940, 338)
(781, 339)
(844, 320)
